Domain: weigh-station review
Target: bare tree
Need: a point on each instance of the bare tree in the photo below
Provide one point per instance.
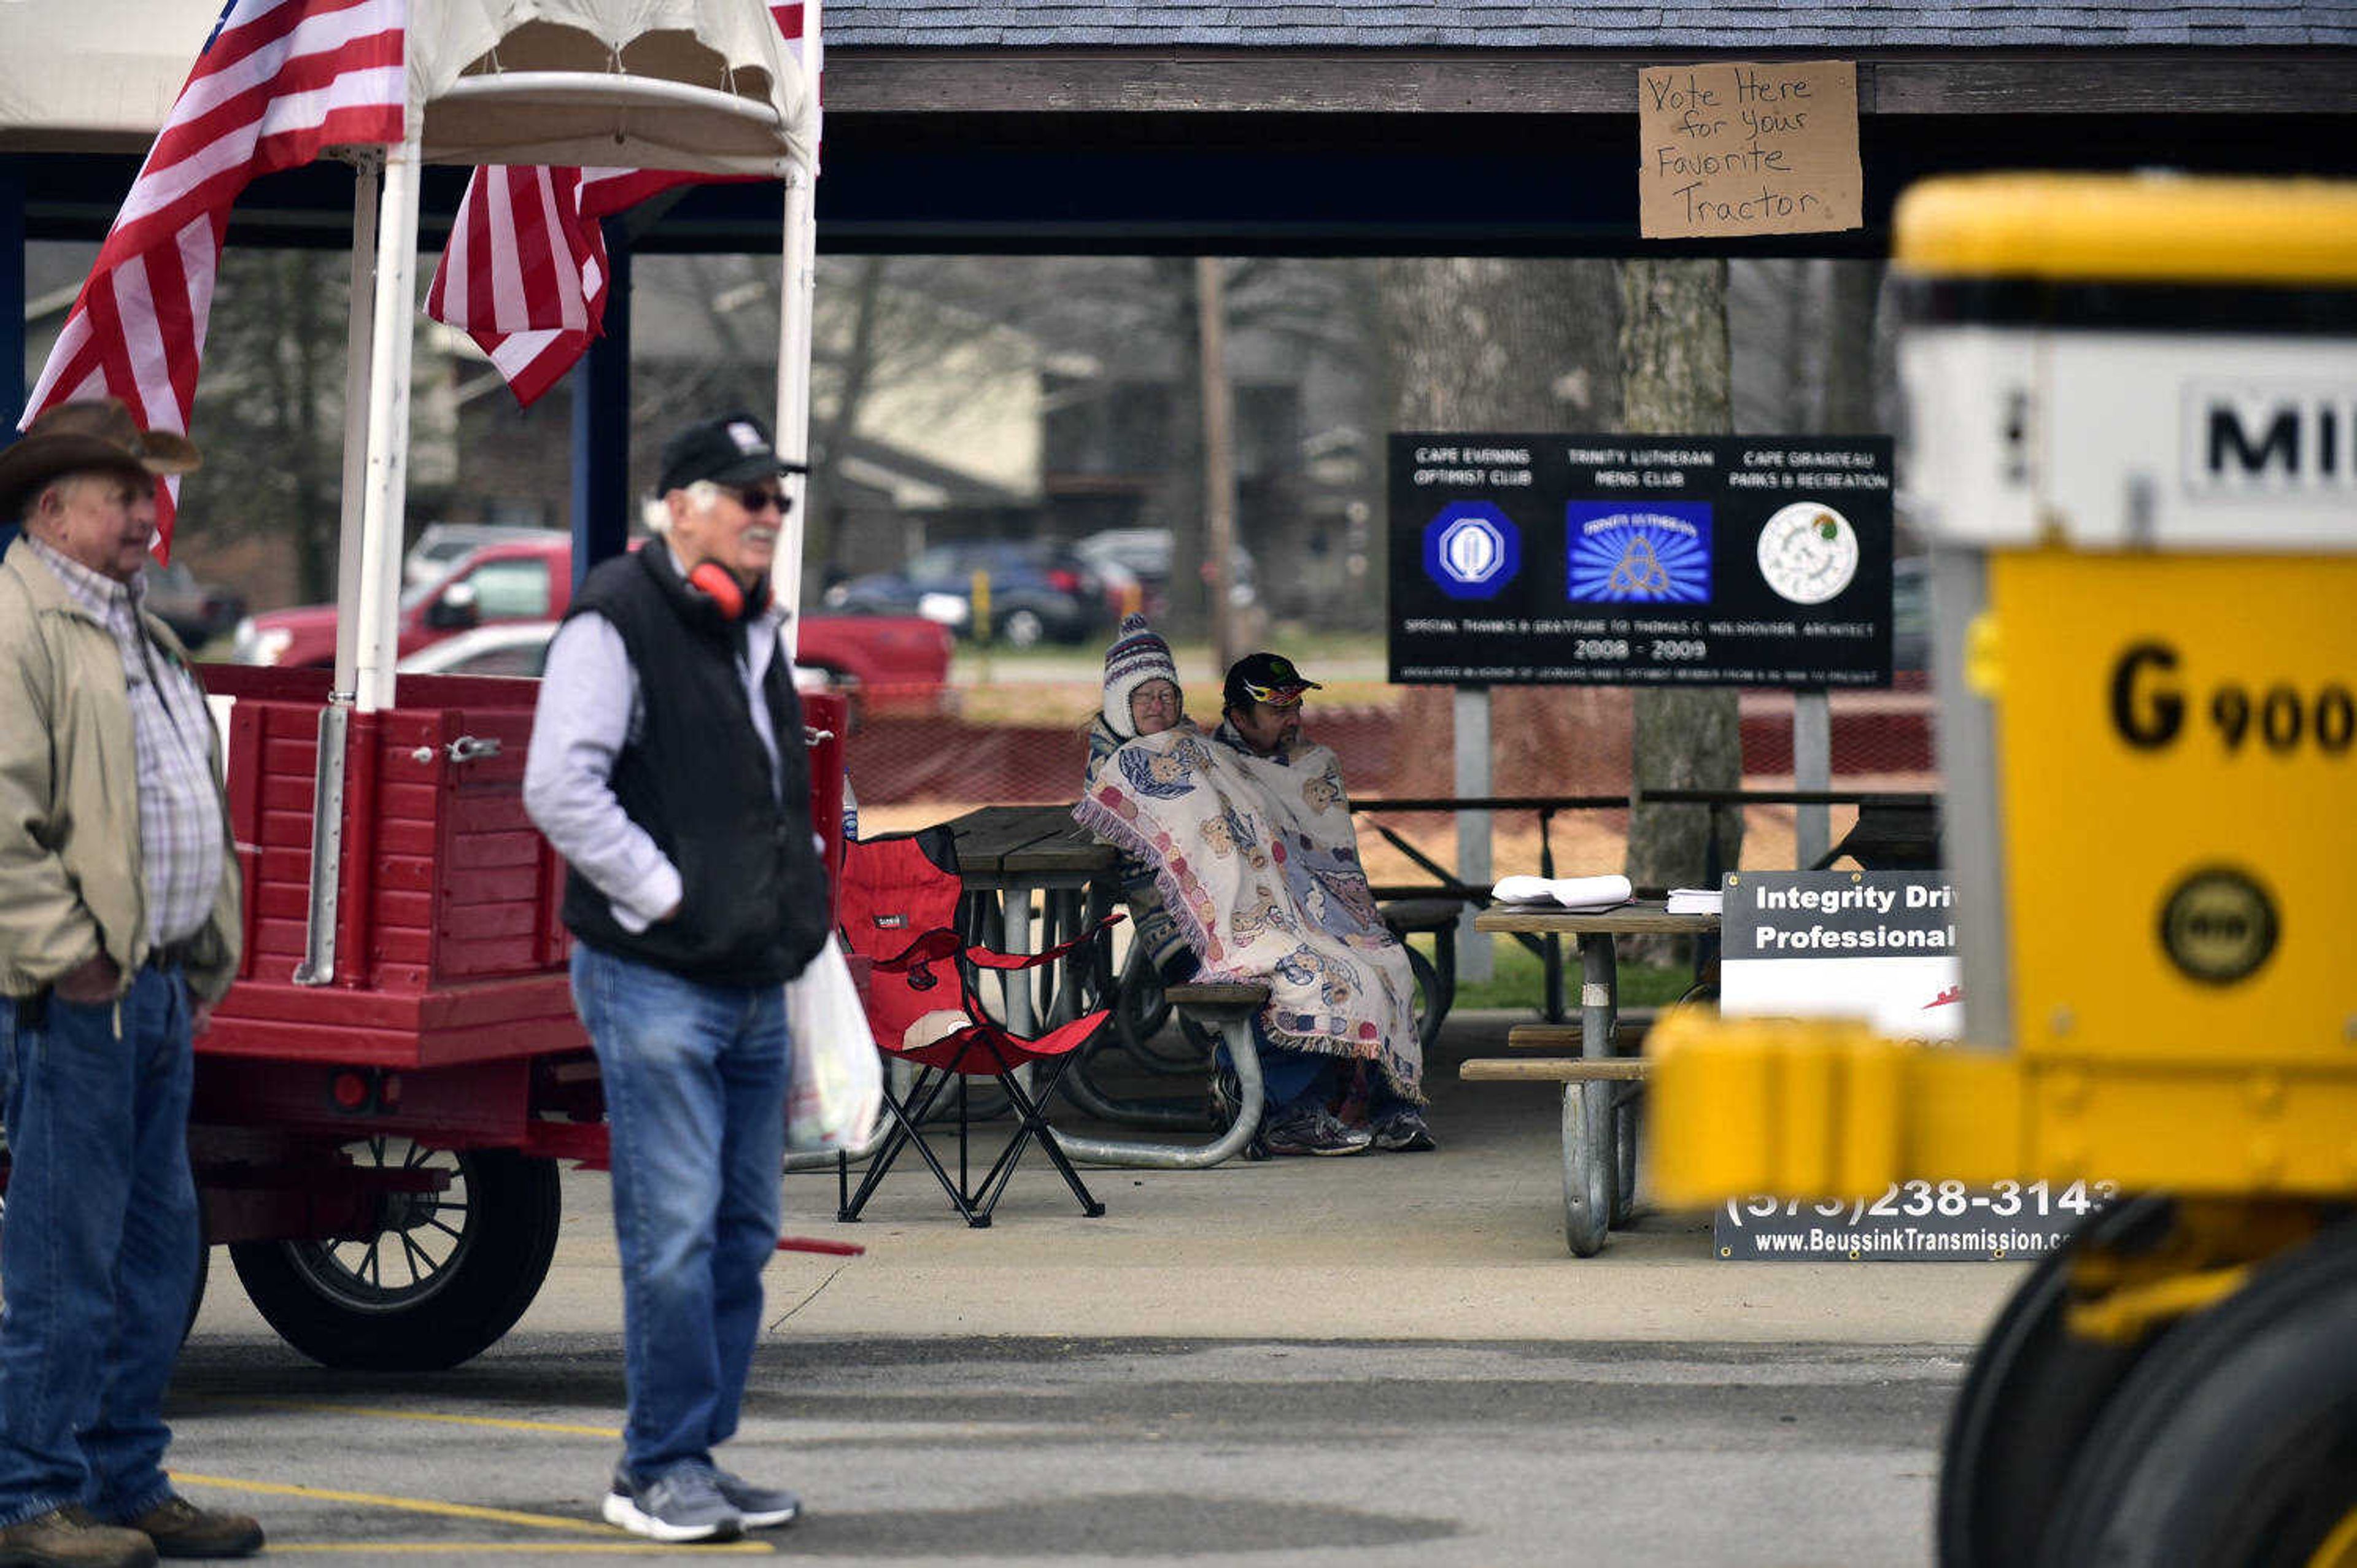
(1674, 361)
(270, 411)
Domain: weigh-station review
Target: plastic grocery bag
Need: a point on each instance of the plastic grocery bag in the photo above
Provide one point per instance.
(838, 1081)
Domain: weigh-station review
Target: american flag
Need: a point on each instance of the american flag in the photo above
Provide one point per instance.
(277, 80)
(525, 271)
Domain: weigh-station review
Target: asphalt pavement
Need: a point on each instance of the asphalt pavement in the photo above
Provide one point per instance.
(1384, 1358)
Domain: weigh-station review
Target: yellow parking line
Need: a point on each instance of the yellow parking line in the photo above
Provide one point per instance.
(376, 1500)
(537, 1548)
(616, 1543)
(566, 1429)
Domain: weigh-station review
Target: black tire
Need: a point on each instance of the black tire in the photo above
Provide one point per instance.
(1022, 627)
(843, 685)
(1626, 1111)
(464, 1265)
(1140, 1013)
(1429, 1006)
(2029, 1400)
(2233, 1443)
(197, 1293)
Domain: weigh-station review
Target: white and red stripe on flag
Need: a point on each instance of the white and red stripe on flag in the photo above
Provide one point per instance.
(525, 271)
(277, 80)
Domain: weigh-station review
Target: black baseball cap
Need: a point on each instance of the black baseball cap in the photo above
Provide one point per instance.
(1265, 678)
(730, 450)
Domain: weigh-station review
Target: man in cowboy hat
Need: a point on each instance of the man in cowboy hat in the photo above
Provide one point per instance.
(119, 929)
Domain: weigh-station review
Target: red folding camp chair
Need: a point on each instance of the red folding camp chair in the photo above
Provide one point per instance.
(899, 899)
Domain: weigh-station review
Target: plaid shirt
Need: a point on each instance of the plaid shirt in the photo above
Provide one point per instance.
(180, 835)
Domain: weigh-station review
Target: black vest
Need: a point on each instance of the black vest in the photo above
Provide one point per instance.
(753, 900)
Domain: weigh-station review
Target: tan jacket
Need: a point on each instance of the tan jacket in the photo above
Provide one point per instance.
(70, 881)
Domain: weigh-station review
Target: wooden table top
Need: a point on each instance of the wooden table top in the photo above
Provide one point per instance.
(1642, 915)
(1026, 843)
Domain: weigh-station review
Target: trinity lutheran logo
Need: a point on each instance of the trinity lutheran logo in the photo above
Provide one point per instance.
(1657, 554)
(1471, 550)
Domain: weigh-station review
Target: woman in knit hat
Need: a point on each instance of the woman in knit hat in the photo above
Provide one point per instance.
(1142, 696)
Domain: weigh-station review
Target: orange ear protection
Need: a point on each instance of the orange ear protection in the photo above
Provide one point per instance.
(720, 585)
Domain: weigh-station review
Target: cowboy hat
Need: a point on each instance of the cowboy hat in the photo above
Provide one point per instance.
(77, 438)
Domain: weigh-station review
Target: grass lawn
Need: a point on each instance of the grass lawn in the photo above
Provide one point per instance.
(1520, 980)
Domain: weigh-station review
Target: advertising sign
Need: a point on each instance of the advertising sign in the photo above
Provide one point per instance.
(1879, 946)
(1620, 560)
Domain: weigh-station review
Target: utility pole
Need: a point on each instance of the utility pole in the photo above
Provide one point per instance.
(1219, 458)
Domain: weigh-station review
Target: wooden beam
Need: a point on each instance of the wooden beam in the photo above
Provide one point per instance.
(2192, 82)
(1565, 1069)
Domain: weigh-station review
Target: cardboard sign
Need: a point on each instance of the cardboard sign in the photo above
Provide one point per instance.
(1739, 147)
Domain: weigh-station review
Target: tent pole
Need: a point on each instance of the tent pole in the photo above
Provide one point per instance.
(800, 256)
(368, 174)
(384, 494)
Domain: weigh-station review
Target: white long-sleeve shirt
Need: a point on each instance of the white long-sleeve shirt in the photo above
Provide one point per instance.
(588, 710)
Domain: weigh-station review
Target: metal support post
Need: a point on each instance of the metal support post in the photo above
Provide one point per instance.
(601, 422)
(1813, 751)
(1471, 711)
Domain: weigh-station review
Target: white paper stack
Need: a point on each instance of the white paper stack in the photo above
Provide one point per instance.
(1696, 901)
(1567, 892)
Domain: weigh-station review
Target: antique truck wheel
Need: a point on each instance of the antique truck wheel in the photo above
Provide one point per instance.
(2233, 1443)
(2028, 1401)
(445, 1275)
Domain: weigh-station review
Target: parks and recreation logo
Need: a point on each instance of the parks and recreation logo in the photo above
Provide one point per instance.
(1657, 554)
(1471, 550)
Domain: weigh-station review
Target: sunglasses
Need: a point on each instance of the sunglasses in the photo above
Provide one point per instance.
(758, 497)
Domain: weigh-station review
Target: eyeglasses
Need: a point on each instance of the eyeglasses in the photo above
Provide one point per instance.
(758, 497)
(1157, 699)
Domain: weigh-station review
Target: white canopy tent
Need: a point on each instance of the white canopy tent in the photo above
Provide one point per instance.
(102, 75)
(702, 86)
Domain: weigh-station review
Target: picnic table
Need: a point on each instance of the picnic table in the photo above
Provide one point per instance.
(1599, 1091)
(1006, 853)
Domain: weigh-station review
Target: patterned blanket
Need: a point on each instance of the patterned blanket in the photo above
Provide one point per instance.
(1258, 861)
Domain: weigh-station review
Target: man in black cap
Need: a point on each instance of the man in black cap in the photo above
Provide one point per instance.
(667, 767)
(1259, 706)
(1318, 1104)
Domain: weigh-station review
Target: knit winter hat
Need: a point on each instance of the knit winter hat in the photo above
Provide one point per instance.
(1138, 655)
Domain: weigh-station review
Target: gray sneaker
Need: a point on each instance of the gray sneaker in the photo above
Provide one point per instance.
(1315, 1131)
(1404, 1133)
(762, 1508)
(685, 1503)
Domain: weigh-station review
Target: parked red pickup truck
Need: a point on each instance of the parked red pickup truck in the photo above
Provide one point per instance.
(895, 664)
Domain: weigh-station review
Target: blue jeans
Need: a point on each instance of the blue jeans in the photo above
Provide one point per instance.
(695, 1103)
(100, 1249)
(1295, 1081)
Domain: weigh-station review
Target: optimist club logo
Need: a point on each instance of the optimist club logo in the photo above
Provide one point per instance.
(1658, 553)
(1471, 550)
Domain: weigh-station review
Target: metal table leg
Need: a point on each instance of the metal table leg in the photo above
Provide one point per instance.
(1589, 1154)
(1015, 986)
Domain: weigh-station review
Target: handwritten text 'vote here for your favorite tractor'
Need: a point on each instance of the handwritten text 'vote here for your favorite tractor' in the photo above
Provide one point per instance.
(1738, 147)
